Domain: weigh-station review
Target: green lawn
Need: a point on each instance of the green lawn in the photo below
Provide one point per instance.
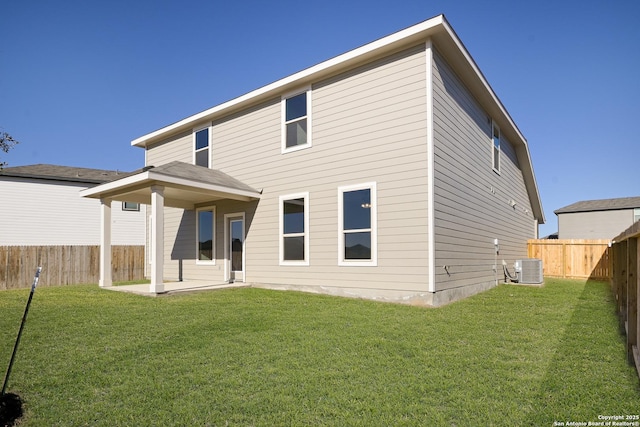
(252, 357)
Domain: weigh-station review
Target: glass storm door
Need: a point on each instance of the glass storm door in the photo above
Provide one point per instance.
(236, 249)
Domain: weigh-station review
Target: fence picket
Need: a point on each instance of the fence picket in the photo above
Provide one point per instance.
(573, 258)
(66, 265)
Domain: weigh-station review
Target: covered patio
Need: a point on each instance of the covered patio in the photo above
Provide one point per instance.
(175, 184)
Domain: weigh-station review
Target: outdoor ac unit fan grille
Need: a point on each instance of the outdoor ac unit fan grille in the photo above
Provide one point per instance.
(531, 270)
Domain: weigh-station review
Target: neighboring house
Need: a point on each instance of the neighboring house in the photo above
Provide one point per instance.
(597, 219)
(389, 172)
(41, 207)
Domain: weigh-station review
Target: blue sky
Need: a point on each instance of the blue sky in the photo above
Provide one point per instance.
(80, 79)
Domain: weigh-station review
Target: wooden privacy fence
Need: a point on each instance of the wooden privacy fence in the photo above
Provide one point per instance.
(66, 265)
(625, 284)
(572, 258)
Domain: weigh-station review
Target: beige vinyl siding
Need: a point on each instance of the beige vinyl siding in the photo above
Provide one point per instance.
(472, 202)
(178, 147)
(368, 126)
(594, 225)
(49, 212)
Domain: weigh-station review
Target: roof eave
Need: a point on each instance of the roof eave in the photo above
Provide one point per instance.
(407, 37)
(452, 48)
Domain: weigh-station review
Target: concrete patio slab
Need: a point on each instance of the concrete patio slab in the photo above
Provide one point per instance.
(176, 287)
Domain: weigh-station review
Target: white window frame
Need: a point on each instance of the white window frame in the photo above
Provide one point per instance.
(495, 126)
(636, 214)
(195, 131)
(131, 209)
(305, 261)
(283, 108)
(212, 261)
(373, 262)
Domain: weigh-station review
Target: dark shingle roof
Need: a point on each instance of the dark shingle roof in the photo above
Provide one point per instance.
(601, 205)
(63, 173)
(200, 174)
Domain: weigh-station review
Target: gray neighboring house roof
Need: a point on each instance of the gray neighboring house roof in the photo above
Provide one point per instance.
(601, 205)
(63, 173)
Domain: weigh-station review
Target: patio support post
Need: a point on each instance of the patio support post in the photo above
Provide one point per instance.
(105, 243)
(157, 239)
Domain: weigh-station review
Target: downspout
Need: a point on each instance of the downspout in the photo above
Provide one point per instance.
(430, 165)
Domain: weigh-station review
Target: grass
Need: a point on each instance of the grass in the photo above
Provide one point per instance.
(253, 357)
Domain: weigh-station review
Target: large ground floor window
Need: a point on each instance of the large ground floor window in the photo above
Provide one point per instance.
(357, 224)
(294, 229)
(206, 235)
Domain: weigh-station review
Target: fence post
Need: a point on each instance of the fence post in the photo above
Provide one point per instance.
(622, 283)
(632, 298)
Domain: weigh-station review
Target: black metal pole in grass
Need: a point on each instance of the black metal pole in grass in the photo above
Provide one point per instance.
(11, 404)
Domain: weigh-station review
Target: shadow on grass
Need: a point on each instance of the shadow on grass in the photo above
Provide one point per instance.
(589, 375)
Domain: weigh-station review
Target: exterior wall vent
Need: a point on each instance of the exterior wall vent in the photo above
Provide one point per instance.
(529, 270)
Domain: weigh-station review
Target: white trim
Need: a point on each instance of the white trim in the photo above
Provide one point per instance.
(150, 242)
(212, 261)
(193, 133)
(283, 127)
(95, 191)
(305, 234)
(373, 262)
(227, 255)
(136, 209)
(430, 170)
(157, 249)
(105, 244)
(150, 175)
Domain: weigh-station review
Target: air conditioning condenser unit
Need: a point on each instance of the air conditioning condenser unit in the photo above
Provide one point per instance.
(529, 270)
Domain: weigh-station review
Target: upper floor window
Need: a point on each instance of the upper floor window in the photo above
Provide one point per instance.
(201, 147)
(357, 225)
(636, 214)
(296, 125)
(294, 229)
(496, 147)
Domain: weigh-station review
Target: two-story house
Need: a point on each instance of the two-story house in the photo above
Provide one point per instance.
(390, 172)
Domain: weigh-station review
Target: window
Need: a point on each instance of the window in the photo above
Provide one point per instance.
(294, 226)
(296, 127)
(496, 147)
(357, 225)
(130, 206)
(636, 214)
(206, 219)
(201, 147)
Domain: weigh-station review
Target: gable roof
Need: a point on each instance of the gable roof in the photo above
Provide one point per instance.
(185, 186)
(62, 173)
(443, 37)
(601, 205)
(437, 28)
(200, 174)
